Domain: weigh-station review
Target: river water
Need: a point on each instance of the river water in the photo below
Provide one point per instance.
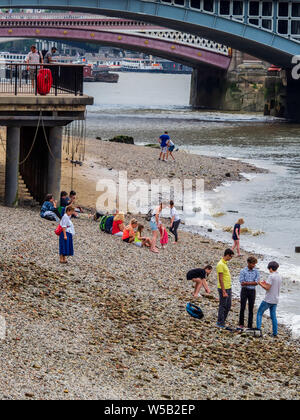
(144, 105)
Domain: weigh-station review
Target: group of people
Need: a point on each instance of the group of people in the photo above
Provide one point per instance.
(51, 211)
(35, 57)
(249, 280)
(133, 233)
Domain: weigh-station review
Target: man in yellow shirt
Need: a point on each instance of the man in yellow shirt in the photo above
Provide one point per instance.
(224, 288)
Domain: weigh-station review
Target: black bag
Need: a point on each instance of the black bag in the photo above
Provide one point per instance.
(149, 215)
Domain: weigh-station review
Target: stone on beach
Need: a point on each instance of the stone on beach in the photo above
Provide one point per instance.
(113, 325)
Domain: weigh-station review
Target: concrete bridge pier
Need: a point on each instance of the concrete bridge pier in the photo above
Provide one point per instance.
(54, 160)
(40, 158)
(12, 166)
(292, 96)
(208, 88)
(282, 95)
(34, 140)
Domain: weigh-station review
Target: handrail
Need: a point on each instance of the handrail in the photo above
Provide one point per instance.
(44, 79)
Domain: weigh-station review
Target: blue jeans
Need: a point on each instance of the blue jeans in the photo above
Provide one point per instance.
(261, 310)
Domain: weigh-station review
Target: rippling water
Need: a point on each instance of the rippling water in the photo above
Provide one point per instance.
(144, 105)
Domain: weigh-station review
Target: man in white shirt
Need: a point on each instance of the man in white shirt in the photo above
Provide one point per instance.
(271, 300)
(175, 221)
(34, 57)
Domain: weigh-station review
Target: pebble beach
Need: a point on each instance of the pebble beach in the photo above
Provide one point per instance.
(104, 159)
(111, 324)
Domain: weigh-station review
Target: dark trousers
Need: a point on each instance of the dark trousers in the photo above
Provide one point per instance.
(247, 295)
(174, 229)
(224, 306)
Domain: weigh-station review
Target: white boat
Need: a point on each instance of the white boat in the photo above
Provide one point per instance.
(140, 65)
(7, 57)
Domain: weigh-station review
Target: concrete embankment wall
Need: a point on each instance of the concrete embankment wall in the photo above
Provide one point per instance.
(251, 87)
(238, 90)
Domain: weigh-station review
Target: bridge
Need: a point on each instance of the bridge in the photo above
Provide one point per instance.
(268, 30)
(128, 34)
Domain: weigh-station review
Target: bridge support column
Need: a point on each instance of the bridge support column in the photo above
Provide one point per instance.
(208, 88)
(12, 166)
(54, 161)
(292, 96)
(282, 94)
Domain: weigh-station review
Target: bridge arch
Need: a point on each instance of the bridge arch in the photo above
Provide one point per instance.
(234, 30)
(184, 54)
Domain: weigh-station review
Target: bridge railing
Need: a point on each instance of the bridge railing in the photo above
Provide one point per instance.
(41, 79)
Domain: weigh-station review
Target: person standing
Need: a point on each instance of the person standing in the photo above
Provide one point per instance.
(163, 140)
(271, 300)
(170, 149)
(34, 57)
(236, 236)
(48, 59)
(224, 288)
(175, 221)
(66, 237)
(249, 278)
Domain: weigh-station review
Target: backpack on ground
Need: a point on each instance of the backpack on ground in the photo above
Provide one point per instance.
(109, 224)
(106, 223)
(194, 311)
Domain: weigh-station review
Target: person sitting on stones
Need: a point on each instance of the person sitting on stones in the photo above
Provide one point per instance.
(78, 209)
(129, 232)
(64, 199)
(118, 225)
(141, 240)
(49, 209)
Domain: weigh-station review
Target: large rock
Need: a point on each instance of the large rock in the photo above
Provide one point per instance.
(122, 139)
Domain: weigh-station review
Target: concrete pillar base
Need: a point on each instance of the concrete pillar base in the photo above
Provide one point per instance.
(292, 88)
(12, 166)
(54, 161)
(208, 88)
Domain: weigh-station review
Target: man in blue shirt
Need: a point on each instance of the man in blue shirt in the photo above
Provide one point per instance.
(249, 278)
(163, 140)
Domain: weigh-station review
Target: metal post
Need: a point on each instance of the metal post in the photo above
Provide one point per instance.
(12, 166)
(246, 11)
(75, 81)
(35, 76)
(16, 79)
(55, 79)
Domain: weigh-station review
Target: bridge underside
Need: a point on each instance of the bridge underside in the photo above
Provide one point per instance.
(184, 54)
(266, 45)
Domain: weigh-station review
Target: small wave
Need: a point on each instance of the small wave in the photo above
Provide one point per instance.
(248, 176)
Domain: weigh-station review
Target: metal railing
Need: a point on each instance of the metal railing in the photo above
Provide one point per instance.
(41, 79)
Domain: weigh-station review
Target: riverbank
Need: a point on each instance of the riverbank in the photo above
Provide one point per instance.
(105, 159)
(112, 323)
